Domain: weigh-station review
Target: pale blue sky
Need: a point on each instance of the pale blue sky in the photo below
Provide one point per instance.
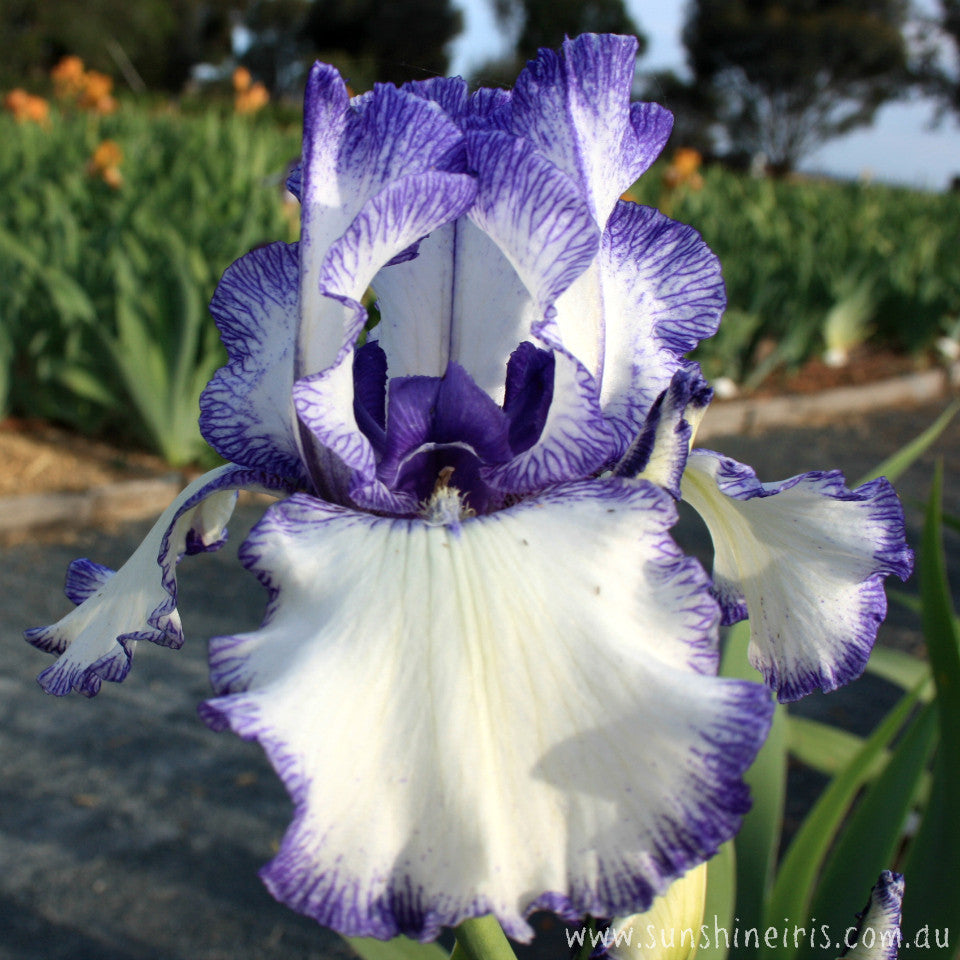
(898, 148)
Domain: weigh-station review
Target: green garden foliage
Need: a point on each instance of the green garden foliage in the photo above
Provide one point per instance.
(104, 289)
(794, 251)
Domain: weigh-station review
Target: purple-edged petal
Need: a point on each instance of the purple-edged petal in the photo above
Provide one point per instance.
(482, 285)
(529, 694)
(450, 93)
(659, 453)
(352, 154)
(246, 411)
(84, 579)
(878, 930)
(341, 458)
(806, 559)
(96, 640)
(654, 291)
(400, 214)
(533, 213)
(575, 106)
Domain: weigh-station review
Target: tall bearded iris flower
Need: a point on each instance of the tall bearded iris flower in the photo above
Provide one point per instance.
(486, 674)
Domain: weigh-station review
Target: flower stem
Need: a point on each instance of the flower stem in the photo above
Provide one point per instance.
(481, 938)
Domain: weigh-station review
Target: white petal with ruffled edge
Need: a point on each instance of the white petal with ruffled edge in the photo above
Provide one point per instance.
(805, 559)
(246, 411)
(514, 713)
(96, 639)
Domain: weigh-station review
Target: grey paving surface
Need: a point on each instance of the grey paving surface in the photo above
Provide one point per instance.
(129, 831)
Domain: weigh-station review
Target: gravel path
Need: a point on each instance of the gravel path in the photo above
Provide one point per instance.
(129, 831)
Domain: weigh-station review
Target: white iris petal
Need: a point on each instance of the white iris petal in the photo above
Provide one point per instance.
(97, 638)
(468, 718)
(807, 558)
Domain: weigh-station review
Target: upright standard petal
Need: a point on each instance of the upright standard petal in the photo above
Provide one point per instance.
(351, 154)
(544, 733)
(96, 640)
(460, 300)
(575, 106)
(805, 559)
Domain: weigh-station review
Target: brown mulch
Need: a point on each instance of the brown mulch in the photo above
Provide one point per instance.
(867, 365)
(40, 458)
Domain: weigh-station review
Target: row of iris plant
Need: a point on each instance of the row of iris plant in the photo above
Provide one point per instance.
(488, 677)
(113, 230)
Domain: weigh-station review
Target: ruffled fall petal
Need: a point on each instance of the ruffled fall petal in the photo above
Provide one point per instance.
(805, 559)
(96, 640)
(468, 737)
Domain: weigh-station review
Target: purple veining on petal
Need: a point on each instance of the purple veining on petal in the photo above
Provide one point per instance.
(246, 411)
(84, 579)
(892, 553)
(575, 106)
(159, 622)
(881, 916)
(575, 441)
(663, 292)
(533, 212)
(450, 93)
(489, 109)
(733, 605)
(848, 654)
(337, 453)
(667, 433)
(375, 180)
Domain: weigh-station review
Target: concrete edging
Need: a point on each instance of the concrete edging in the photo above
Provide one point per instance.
(795, 410)
(138, 499)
